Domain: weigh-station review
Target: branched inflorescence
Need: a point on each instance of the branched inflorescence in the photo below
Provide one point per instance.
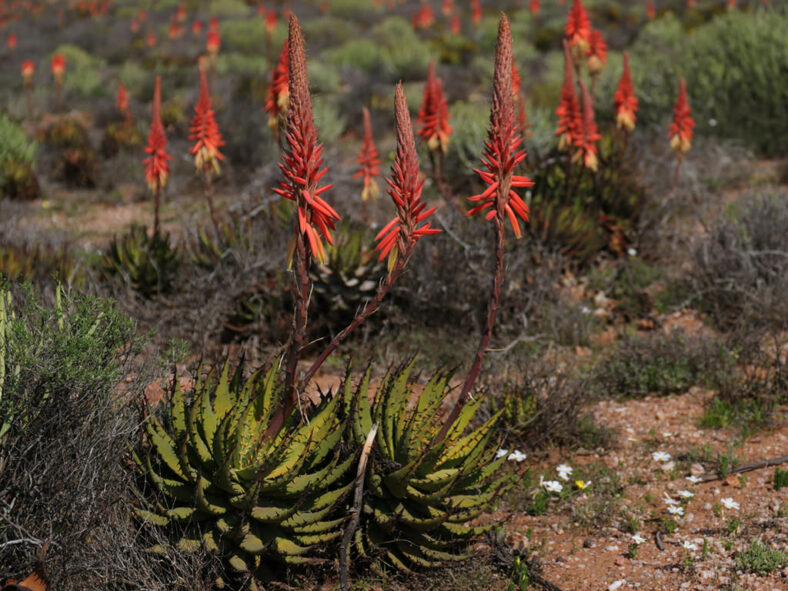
(302, 160)
(399, 236)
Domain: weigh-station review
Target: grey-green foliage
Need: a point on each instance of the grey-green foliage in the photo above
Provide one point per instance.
(15, 145)
(330, 123)
(736, 67)
(83, 71)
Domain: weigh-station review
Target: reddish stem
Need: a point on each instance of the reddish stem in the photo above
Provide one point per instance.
(156, 200)
(209, 194)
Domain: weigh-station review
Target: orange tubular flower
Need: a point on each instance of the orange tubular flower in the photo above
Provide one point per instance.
(278, 98)
(12, 41)
(578, 30)
(502, 150)
(588, 137)
(156, 168)
(302, 158)
(400, 235)
(368, 161)
(196, 27)
(204, 131)
(434, 114)
(213, 42)
(597, 52)
(624, 100)
(680, 131)
(27, 70)
(651, 10)
(568, 111)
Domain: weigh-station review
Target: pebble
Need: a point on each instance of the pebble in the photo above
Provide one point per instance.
(589, 543)
(697, 469)
(617, 585)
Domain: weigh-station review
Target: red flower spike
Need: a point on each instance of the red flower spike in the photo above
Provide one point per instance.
(58, 66)
(122, 102)
(455, 25)
(447, 7)
(680, 131)
(400, 235)
(204, 131)
(588, 136)
(578, 30)
(27, 70)
(535, 6)
(196, 27)
(270, 21)
(519, 99)
(502, 150)
(368, 161)
(597, 52)
(278, 98)
(12, 41)
(651, 10)
(433, 116)
(568, 111)
(624, 101)
(476, 11)
(150, 40)
(302, 157)
(213, 42)
(156, 168)
(423, 18)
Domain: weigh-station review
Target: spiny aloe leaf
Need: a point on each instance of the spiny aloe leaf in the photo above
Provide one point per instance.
(273, 513)
(164, 445)
(151, 517)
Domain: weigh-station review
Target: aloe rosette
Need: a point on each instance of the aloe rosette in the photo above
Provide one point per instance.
(422, 494)
(231, 490)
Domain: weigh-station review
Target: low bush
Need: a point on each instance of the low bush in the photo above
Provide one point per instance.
(17, 155)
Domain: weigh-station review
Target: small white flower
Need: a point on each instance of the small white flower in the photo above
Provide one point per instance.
(689, 546)
(585, 310)
(552, 486)
(632, 252)
(712, 122)
(564, 471)
(685, 494)
(676, 510)
(516, 456)
(669, 501)
(729, 503)
(638, 539)
(501, 453)
(661, 456)
(694, 479)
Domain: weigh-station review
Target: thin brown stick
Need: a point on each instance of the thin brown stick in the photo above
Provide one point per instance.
(365, 313)
(747, 468)
(355, 515)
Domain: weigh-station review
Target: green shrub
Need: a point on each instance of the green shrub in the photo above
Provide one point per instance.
(228, 8)
(328, 119)
(735, 69)
(83, 72)
(244, 36)
(761, 559)
(352, 8)
(780, 478)
(17, 156)
(363, 54)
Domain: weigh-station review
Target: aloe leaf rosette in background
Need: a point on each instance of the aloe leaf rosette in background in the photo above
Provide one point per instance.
(422, 495)
(231, 489)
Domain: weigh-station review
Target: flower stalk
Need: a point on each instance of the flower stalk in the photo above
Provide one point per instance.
(157, 170)
(680, 131)
(499, 201)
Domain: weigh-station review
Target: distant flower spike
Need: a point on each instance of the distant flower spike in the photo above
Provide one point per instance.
(624, 100)
(12, 41)
(587, 139)
(204, 131)
(597, 53)
(535, 6)
(424, 17)
(400, 235)
(302, 158)
(578, 30)
(568, 111)
(681, 130)
(278, 98)
(519, 99)
(27, 70)
(434, 114)
(368, 161)
(502, 150)
(122, 102)
(58, 67)
(157, 170)
(476, 11)
(213, 42)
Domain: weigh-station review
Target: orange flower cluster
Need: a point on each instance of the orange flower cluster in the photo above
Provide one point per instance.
(502, 150)
(302, 159)
(535, 6)
(624, 100)
(278, 97)
(27, 70)
(213, 42)
(58, 66)
(157, 170)
(476, 11)
(588, 135)
(12, 41)
(204, 131)
(122, 102)
(434, 114)
(568, 111)
(578, 30)
(368, 160)
(400, 235)
(597, 52)
(681, 130)
(424, 17)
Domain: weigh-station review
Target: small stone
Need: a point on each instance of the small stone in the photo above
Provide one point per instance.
(620, 561)
(617, 585)
(589, 543)
(697, 469)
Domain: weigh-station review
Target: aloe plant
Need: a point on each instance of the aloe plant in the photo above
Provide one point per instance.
(232, 490)
(422, 494)
(149, 263)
